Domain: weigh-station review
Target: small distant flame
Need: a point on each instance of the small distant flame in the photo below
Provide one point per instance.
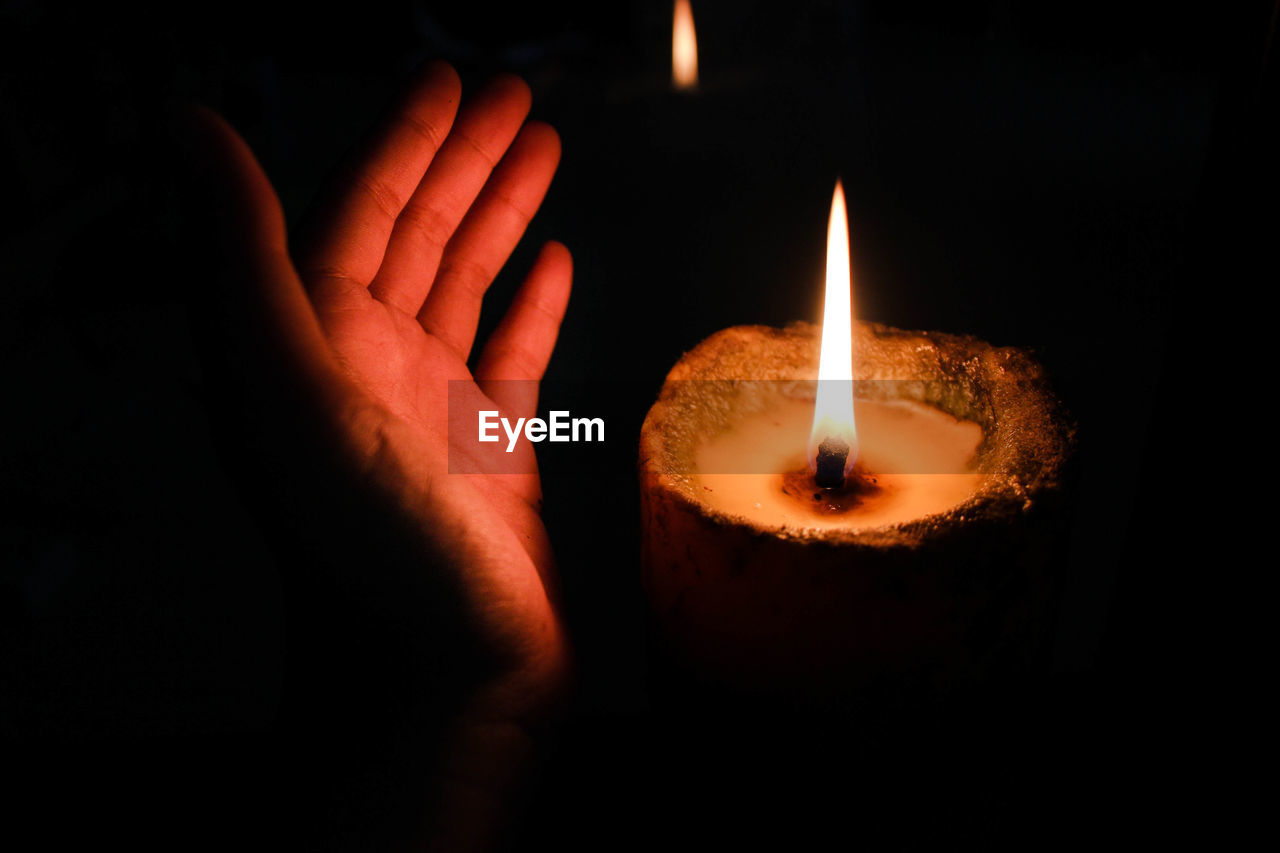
(684, 48)
(833, 408)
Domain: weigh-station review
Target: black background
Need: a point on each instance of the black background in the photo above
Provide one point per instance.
(1078, 179)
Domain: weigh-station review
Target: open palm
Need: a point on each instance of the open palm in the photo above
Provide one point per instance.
(375, 317)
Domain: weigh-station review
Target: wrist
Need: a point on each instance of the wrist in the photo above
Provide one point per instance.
(485, 764)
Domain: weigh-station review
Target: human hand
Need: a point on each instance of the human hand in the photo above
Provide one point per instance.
(347, 348)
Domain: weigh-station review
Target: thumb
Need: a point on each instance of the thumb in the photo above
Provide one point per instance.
(225, 190)
(249, 305)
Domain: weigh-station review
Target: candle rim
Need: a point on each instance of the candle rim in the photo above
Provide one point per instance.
(1028, 438)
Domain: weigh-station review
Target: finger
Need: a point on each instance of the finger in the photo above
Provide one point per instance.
(516, 356)
(488, 234)
(349, 240)
(480, 137)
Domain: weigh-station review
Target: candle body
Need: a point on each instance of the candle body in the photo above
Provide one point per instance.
(950, 584)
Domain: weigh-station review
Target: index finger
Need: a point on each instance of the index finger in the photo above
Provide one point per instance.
(349, 238)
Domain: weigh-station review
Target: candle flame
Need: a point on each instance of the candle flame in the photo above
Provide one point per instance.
(833, 407)
(684, 48)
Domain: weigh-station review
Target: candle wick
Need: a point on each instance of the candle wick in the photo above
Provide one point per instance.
(833, 452)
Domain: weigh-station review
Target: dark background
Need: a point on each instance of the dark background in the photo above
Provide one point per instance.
(1083, 180)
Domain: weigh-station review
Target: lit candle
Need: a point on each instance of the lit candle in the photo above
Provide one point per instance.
(684, 47)
(922, 456)
(797, 535)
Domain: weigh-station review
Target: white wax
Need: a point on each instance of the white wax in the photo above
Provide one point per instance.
(920, 456)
